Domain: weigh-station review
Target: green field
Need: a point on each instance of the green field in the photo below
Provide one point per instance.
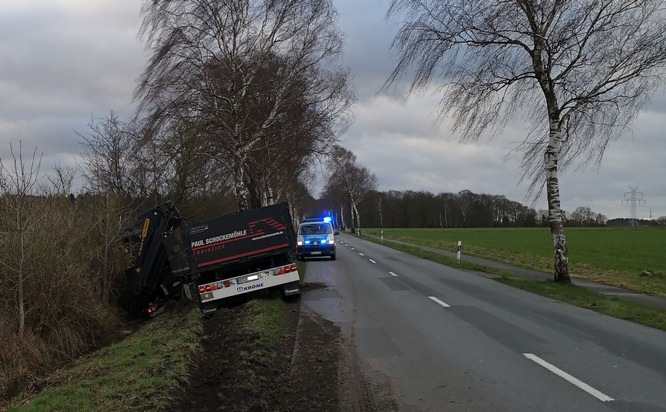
(614, 256)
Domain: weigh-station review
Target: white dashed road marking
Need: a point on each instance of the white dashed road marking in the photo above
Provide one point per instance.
(439, 301)
(372, 261)
(393, 274)
(360, 254)
(562, 374)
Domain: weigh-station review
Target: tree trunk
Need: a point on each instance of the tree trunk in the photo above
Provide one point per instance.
(270, 198)
(20, 269)
(105, 253)
(358, 219)
(381, 217)
(557, 126)
(561, 258)
(106, 287)
(242, 192)
(21, 305)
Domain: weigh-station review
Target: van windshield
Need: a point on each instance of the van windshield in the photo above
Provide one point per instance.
(315, 229)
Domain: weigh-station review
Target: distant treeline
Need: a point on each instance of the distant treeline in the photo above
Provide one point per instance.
(465, 209)
(623, 222)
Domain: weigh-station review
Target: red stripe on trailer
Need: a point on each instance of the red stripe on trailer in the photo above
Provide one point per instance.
(254, 252)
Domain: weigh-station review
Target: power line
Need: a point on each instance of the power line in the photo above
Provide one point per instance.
(633, 201)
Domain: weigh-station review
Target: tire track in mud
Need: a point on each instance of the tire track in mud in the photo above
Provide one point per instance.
(359, 388)
(315, 369)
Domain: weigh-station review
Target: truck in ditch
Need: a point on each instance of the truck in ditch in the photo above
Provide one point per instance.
(228, 255)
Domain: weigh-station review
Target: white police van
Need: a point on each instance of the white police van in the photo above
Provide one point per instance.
(315, 238)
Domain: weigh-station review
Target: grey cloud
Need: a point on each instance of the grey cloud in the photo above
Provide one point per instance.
(67, 62)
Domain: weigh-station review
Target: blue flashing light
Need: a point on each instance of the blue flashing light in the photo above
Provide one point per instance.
(327, 219)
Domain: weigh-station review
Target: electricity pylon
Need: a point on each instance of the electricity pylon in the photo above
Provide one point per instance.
(634, 200)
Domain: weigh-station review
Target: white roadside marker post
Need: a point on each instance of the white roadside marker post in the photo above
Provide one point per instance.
(459, 250)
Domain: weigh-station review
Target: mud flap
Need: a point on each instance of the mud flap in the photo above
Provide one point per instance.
(290, 289)
(208, 308)
(290, 292)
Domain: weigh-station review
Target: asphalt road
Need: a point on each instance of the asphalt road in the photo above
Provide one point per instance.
(445, 339)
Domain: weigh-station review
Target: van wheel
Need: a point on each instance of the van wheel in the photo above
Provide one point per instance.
(333, 257)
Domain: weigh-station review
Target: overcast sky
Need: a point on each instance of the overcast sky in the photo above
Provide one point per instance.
(66, 63)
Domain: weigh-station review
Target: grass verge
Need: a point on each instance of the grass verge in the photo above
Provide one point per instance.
(435, 257)
(268, 324)
(571, 294)
(597, 302)
(138, 373)
(625, 258)
(147, 368)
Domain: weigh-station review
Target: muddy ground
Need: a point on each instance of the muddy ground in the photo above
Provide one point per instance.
(315, 369)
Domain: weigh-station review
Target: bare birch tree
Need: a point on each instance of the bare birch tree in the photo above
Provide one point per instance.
(209, 64)
(354, 181)
(579, 71)
(465, 200)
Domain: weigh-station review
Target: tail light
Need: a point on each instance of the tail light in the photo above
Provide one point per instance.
(286, 269)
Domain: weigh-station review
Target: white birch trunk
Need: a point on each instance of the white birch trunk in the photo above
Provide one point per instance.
(242, 192)
(358, 219)
(561, 253)
(557, 122)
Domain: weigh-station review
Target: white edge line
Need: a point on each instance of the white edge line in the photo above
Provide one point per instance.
(393, 274)
(562, 374)
(439, 301)
(372, 261)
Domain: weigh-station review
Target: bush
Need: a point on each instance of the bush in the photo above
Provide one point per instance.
(54, 256)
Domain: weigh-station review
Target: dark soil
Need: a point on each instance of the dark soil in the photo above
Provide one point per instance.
(237, 373)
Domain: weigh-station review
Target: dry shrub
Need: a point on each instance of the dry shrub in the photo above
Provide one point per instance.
(65, 313)
(24, 361)
(67, 326)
